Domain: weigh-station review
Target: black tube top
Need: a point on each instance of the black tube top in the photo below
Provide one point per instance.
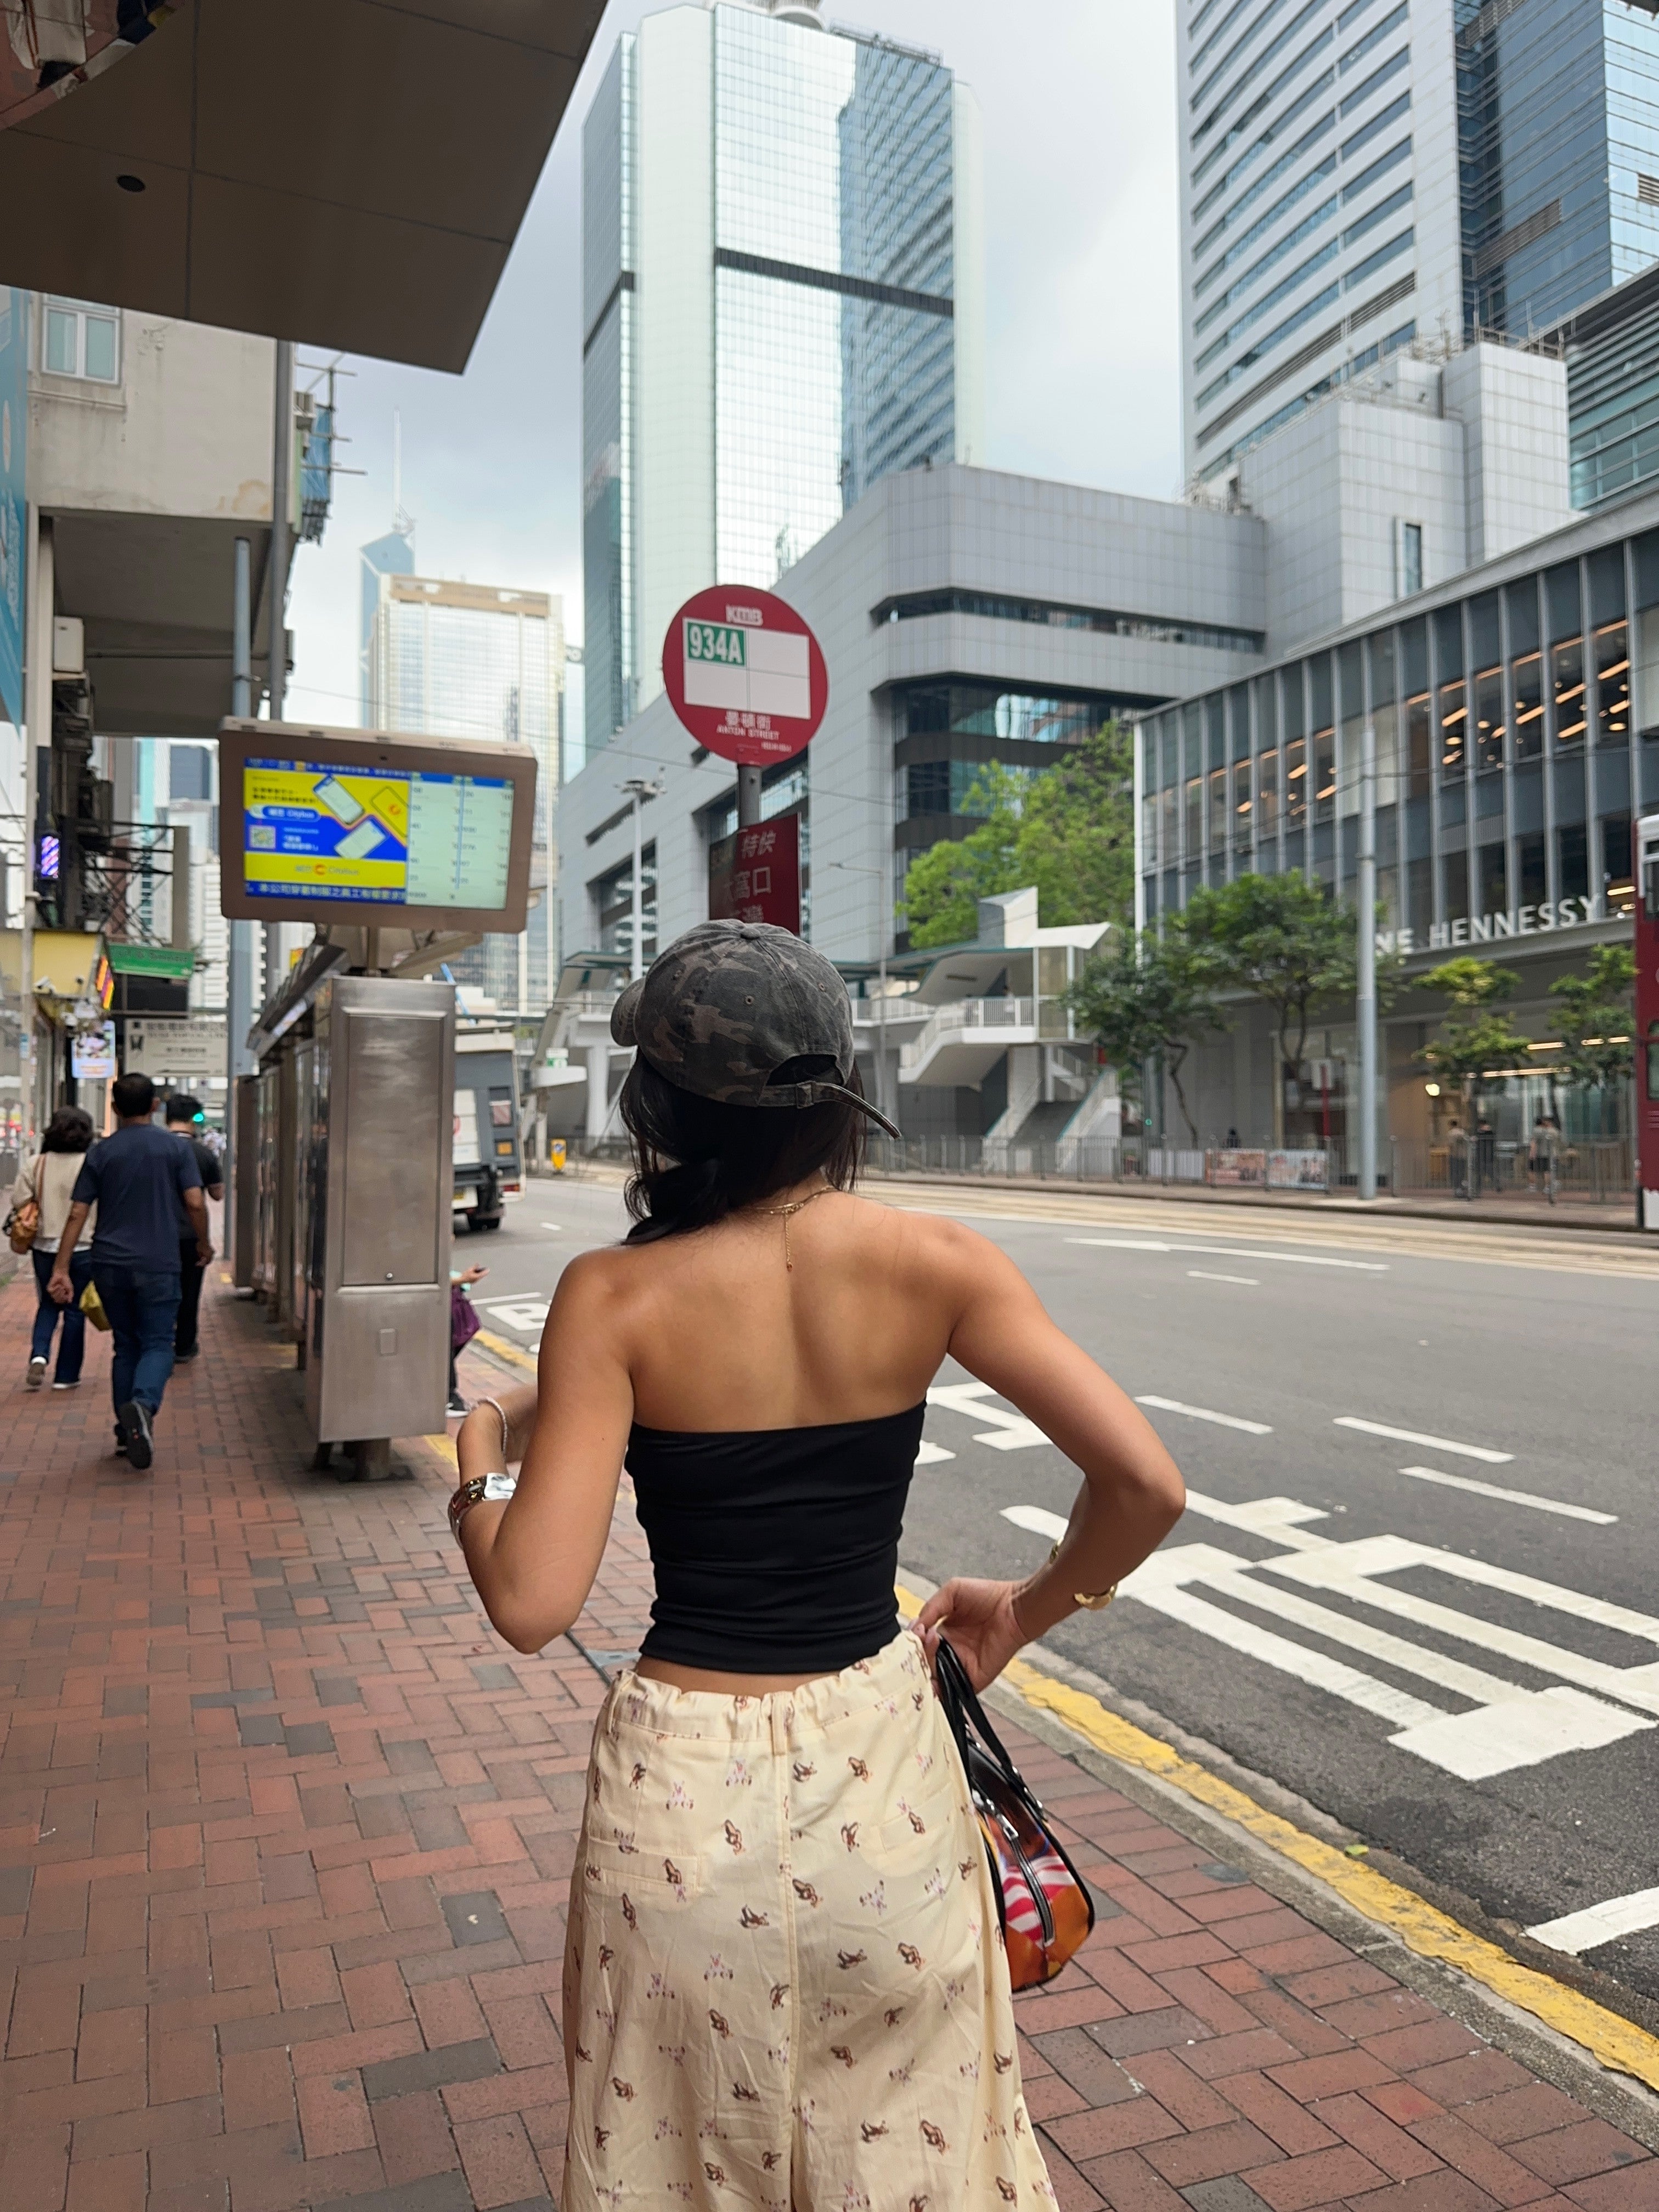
(774, 1549)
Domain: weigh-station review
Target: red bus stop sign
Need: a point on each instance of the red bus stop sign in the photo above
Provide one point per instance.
(745, 675)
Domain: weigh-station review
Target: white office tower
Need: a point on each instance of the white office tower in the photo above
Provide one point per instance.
(473, 660)
(783, 302)
(1319, 209)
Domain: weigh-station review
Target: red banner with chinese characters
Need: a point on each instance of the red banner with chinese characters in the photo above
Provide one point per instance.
(754, 875)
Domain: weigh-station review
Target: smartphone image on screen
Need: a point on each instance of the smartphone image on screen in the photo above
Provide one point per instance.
(357, 844)
(333, 795)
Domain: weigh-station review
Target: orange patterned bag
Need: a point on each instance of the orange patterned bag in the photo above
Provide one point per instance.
(1046, 1910)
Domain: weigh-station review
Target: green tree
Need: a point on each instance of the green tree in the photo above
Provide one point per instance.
(1597, 1020)
(943, 885)
(1143, 998)
(1476, 1040)
(1280, 938)
(1069, 830)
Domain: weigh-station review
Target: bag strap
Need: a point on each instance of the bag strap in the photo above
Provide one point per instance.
(962, 1705)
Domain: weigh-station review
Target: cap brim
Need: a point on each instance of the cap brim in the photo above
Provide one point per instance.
(822, 1092)
(624, 1015)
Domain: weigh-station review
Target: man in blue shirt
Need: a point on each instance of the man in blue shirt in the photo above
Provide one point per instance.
(137, 1177)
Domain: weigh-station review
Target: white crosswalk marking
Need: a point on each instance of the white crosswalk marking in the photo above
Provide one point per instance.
(1012, 1432)
(929, 1454)
(1576, 1932)
(1508, 1724)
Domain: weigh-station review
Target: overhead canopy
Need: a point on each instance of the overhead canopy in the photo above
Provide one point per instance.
(349, 173)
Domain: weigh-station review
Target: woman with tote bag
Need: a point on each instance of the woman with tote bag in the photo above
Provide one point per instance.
(43, 1187)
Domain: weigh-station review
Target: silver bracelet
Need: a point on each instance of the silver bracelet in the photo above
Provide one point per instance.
(507, 1426)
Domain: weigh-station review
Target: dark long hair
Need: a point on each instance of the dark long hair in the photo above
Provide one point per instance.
(69, 1130)
(697, 1160)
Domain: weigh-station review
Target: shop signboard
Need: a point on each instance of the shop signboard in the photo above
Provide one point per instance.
(754, 875)
(745, 675)
(158, 1046)
(92, 1054)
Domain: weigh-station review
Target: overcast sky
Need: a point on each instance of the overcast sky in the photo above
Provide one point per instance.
(1079, 105)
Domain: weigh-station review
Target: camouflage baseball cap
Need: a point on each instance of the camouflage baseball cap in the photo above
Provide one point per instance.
(729, 1004)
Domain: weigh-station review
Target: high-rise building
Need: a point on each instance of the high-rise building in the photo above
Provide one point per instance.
(471, 660)
(782, 303)
(1558, 138)
(1319, 199)
(391, 555)
(1356, 175)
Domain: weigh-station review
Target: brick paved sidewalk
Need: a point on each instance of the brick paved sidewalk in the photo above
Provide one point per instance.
(284, 1839)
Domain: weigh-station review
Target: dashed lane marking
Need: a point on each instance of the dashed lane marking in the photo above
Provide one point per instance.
(1204, 1413)
(1429, 1443)
(1510, 1496)
(1234, 1252)
(1202, 1275)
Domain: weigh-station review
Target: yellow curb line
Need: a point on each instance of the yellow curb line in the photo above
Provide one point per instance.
(503, 1350)
(1616, 2043)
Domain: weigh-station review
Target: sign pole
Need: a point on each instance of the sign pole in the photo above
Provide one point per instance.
(749, 797)
(1365, 1007)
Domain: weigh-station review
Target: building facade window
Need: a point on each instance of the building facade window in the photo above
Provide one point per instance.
(1612, 683)
(1567, 689)
(1409, 561)
(80, 340)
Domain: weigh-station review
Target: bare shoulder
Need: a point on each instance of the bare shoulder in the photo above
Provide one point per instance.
(595, 1281)
(937, 1245)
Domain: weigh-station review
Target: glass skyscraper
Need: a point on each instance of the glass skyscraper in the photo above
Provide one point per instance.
(468, 660)
(1358, 173)
(1558, 145)
(783, 304)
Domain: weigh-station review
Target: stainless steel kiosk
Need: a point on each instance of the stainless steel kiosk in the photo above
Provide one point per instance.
(372, 1210)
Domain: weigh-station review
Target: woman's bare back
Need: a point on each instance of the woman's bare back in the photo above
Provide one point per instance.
(717, 1333)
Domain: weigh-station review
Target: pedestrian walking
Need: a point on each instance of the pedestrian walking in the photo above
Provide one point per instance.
(185, 1120)
(464, 1326)
(48, 1180)
(137, 1177)
(785, 1978)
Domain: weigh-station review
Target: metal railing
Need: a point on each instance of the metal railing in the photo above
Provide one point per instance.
(963, 1015)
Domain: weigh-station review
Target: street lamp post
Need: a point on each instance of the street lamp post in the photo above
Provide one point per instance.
(639, 789)
(1366, 996)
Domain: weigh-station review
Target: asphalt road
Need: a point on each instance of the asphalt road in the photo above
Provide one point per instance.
(1468, 1680)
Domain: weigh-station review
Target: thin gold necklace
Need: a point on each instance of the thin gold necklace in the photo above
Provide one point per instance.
(784, 1213)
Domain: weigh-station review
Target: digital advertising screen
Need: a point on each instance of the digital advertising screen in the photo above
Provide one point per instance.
(418, 833)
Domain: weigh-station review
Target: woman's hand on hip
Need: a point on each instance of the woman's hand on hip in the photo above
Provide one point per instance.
(981, 1622)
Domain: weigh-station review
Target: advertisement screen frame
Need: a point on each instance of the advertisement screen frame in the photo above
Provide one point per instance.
(355, 752)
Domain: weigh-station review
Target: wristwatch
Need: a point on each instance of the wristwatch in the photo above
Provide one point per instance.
(478, 1490)
(1099, 1602)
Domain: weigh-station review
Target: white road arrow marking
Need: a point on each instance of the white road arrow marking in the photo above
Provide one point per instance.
(1037, 1521)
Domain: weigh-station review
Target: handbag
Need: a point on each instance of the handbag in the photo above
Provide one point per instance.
(1042, 1902)
(23, 1221)
(464, 1322)
(93, 1307)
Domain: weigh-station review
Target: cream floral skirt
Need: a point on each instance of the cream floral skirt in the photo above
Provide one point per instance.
(785, 1987)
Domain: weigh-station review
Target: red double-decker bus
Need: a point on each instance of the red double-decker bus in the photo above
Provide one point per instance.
(1647, 1021)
